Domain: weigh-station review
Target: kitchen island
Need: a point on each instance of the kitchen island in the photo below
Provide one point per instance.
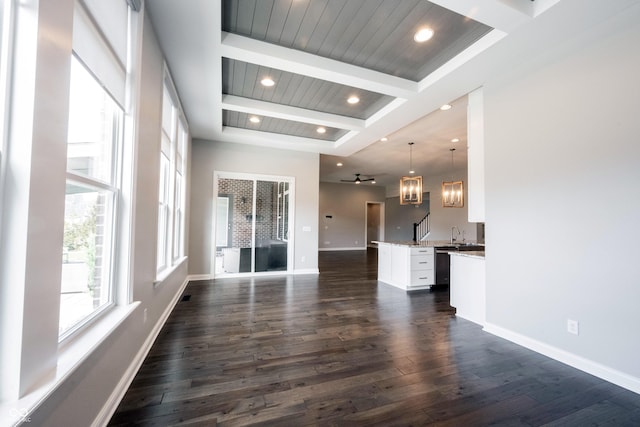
(467, 290)
(411, 265)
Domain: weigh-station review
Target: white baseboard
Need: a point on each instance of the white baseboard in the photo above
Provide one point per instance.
(306, 271)
(601, 371)
(110, 406)
(200, 277)
(359, 248)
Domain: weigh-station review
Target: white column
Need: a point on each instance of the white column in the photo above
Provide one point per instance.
(475, 156)
(33, 200)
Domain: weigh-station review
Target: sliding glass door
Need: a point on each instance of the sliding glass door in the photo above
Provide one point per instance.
(252, 223)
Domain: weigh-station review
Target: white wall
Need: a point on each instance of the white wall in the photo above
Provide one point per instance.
(210, 156)
(562, 198)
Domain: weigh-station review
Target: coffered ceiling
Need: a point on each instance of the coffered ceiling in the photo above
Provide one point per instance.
(318, 54)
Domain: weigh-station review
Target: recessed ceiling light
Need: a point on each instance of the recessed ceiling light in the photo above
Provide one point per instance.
(384, 139)
(353, 99)
(445, 107)
(455, 140)
(267, 81)
(338, 164)
(254, 119)
(423, 35)
(321, 130)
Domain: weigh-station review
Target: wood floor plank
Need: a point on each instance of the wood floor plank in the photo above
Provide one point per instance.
(341, 348)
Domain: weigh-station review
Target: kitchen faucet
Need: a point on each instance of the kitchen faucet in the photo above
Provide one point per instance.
(453, 238)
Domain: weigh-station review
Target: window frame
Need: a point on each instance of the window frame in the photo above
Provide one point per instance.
(112, 186)
(170, 250)
(6, 54)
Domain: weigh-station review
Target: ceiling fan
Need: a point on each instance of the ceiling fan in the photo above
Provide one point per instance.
(358, 180)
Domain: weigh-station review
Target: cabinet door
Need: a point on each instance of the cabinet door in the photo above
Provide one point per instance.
(422, 277)
(421, 262)
(384, 263)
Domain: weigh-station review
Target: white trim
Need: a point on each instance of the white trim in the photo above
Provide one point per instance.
(606, 373)
(167, 271)
(300, 271)
(255, 177)
(358, 248)
(71, 355)
(110, 406)
(200, 277)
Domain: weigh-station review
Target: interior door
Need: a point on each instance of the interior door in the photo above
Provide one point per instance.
(271, 248)
(252, 224)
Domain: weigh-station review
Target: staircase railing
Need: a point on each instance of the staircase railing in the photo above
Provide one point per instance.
(422, 228)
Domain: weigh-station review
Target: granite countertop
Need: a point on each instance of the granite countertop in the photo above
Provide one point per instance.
(428, 243)
(470, 254)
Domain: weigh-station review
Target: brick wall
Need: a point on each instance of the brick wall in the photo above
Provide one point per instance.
(241, 197)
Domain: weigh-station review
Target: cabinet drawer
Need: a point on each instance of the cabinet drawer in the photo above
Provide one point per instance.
(422, 251)
(422, 277)
(421, 262)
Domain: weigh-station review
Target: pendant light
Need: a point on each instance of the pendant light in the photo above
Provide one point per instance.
(411, 186)
(452, 191)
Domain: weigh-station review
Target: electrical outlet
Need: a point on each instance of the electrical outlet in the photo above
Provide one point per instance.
(573, 327)
(303, 259)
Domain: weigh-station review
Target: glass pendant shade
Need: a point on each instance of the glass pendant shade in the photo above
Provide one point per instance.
(411, 186)
(411, 190)
(452, 191)
(452, 194)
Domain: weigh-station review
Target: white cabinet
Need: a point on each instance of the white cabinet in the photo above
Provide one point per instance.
(422, 267)
(406, 266)
(467, 289)
(384, 263)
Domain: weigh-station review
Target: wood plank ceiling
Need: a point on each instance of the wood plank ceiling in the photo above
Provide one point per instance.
(375, 35)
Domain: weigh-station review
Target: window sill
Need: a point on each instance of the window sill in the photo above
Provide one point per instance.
(70, 356)
(162, 275)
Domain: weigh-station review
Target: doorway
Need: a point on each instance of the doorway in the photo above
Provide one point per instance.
(375, 223)
(252, 225)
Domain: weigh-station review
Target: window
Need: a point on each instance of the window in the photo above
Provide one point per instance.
(94, 152)
(171, 200)
(94, 139)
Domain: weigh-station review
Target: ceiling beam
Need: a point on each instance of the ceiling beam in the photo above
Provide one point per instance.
(503, 15)
(276, 140)
(286, 112)
(270, 55)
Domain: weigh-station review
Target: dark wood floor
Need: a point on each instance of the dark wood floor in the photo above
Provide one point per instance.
(342, 349)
